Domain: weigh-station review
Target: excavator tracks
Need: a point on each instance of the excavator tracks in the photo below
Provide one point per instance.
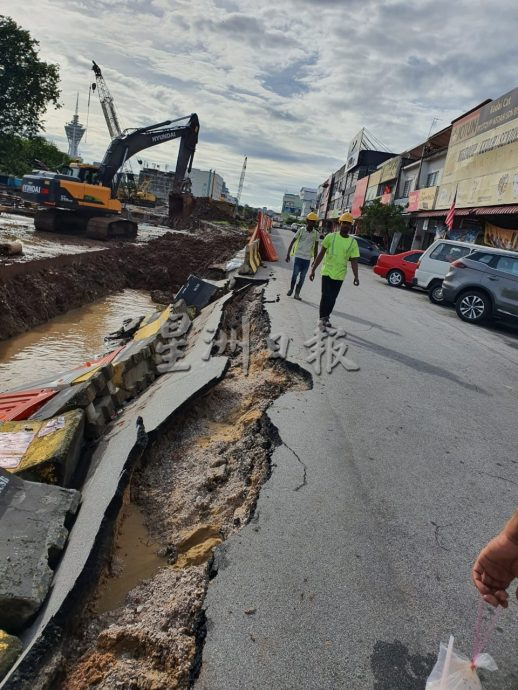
(99, 228)
(111, 227)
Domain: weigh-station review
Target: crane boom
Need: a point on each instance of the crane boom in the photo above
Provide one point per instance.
(107, 103)
(240, 188)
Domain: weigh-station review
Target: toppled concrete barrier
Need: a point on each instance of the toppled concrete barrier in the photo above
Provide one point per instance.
(10, 649)
(32, 534)
(46, 451)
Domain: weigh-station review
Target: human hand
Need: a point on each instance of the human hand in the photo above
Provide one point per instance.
(312, 275)
(356, 282)
(495, 568)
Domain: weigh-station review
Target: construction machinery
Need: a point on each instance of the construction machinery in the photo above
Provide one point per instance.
(83, 198)
(130, 191)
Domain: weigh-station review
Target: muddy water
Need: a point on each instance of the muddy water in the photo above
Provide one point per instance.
(68, 340)
(136, 560)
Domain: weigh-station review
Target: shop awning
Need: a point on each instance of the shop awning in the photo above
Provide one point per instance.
(438, 214)
(479, 211)
(496, 210)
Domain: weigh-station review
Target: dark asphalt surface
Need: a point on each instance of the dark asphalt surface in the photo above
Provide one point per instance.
(388, 482)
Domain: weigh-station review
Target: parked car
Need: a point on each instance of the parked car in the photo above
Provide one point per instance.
(398, 269)
(435, 263)
(484, 284)
(369, 251)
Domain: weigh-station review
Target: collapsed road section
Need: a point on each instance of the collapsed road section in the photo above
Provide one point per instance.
(163, 443)
(194, 484)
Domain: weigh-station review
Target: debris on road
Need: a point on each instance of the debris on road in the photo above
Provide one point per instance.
(154, 639)
(33, 535)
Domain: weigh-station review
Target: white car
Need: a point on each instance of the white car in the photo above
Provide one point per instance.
(434, 264)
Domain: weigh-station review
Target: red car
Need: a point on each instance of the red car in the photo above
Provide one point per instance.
(398, 269)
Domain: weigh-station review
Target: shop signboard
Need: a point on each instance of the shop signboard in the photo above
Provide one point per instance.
(359, 196)
(481, 165)
(413, 201)
(353, 152)
(427, 198)
(390, 169)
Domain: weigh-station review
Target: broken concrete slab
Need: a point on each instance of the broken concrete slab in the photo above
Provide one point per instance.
(10, 649)
(32, 534)
(196, 292)
(44, 451)
(70, 398)
(111, 466)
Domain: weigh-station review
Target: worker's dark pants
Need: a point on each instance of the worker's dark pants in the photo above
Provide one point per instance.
(330, 290)
(300, 268)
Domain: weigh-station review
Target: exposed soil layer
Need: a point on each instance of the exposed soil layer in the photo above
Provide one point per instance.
(36, 292)
(197, 485)
(204, 210)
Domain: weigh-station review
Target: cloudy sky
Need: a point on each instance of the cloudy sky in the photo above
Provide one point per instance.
(286, 82)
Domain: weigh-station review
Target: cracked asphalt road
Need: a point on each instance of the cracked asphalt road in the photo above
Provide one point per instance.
(410, 466)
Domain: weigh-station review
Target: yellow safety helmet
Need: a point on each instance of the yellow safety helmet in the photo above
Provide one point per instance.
(346, 218)
(312, 216)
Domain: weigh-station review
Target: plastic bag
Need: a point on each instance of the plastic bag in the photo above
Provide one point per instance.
(456, 672)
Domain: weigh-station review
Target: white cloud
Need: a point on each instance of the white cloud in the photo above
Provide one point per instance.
(288, 83)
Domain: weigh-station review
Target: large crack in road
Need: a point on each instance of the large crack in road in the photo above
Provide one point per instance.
(195, 486)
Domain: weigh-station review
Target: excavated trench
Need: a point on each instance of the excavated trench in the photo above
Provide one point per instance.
(34, 292)
(143, 626)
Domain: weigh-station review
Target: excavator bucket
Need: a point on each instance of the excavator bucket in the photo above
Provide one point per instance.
(181, 206)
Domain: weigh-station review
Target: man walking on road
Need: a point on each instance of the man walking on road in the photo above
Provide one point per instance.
(338, 248)
(303, 247)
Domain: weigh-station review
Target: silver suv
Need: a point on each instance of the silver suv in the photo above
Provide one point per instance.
(483, 285)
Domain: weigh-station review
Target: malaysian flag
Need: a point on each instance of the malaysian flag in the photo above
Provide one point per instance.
(451, 213)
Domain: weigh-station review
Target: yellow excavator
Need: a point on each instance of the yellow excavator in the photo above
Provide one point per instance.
(84, 198)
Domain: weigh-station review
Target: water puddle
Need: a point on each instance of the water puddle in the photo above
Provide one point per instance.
(135, 557)
(68, 340)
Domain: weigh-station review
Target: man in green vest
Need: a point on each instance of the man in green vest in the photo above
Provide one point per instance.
(303, 247)
(338, 248)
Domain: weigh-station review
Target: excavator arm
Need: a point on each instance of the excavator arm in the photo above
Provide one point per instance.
(123, 147)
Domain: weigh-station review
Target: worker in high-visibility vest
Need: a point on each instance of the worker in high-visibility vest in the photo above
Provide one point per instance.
(338, 250)
(303, 247)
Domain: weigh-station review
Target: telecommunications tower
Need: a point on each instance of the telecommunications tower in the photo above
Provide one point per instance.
(74, 131)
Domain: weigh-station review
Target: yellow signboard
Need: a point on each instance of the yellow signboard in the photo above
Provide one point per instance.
(390, 169)
(482, 161)
(374, 182)
(427, 198)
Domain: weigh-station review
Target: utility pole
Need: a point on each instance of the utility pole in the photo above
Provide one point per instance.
(240, 188)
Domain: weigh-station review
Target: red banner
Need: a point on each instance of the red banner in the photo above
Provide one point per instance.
(413, 201)
(359, 196)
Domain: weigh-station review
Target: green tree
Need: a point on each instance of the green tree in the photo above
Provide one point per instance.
(27, 84)
(18, 155)
(383, 220)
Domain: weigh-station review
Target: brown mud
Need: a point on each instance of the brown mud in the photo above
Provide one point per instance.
(196, 486)
(32, 293)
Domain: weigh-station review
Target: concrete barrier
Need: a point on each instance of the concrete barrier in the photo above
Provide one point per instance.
(10, 649)
(252, 258)
(46, 451)
(32, 534)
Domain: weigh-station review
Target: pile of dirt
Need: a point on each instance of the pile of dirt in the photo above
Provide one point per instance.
(204, 210)
(197, 485)
(38, 291)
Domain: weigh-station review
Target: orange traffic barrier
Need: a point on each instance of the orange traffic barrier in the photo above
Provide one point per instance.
(264, 224)
(20, 405)
(267, 249)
